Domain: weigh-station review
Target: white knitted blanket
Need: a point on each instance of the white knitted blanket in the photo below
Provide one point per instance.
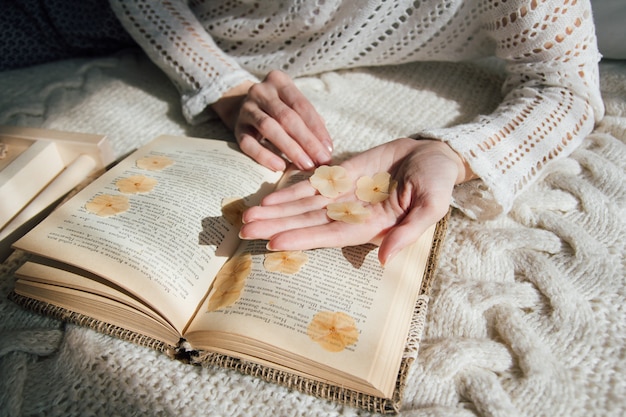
(528, 312)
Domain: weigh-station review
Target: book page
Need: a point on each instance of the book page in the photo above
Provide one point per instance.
(162, 235)
(94, 299)
(277, 309)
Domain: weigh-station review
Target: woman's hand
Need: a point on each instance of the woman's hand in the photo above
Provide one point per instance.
(277, 113)
(426, 172)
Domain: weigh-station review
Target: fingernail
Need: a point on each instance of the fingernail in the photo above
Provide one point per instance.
(306, 163)
(322, 157)
(277, 165)
(389, 256)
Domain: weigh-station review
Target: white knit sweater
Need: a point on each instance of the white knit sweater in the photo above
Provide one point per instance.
(550, 100)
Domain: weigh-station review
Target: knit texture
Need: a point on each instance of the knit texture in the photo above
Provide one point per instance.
(527, 314)
(550, 97)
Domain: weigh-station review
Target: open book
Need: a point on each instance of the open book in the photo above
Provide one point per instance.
(147, 252)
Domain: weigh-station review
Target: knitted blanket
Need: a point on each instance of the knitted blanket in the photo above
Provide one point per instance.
(528, 312)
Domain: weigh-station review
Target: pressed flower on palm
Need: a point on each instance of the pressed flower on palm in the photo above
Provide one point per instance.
(331, 181)
(348, 212)
(286, 262)
(105, 205)
(334, 331)
(232, 210)
(154, 162)
(229, 282)
(374, 189)
(136, 184)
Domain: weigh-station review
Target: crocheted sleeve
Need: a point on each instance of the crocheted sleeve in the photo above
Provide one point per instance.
(174, 39)
(551, 100)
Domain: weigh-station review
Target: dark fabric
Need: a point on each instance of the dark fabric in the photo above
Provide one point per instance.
(37, 31)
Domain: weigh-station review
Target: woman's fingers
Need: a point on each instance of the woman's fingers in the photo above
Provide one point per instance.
(304, 224)
(291, 207)
(277, 111)
(410, 228)
(331, 234)
(267, 229)
(298, 191)
(252, 147)
(296, 218)
(284, 132)
(294, 99)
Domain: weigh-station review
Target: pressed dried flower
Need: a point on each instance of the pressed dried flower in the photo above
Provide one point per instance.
(136, 184)
(232, 210)
(331, 181)
(229, 282)
(286, 262)
(348, 212)
(334, 331)
(154, 162)
(105, 205)
(375, 189)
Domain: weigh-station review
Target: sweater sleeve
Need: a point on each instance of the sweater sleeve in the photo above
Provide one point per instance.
(175, 40)
(551, 100)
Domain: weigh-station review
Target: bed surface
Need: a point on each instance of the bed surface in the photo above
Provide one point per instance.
(528, 312)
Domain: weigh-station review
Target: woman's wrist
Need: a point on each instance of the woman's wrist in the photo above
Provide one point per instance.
(227, 107)
(468, 174)
(465, 172)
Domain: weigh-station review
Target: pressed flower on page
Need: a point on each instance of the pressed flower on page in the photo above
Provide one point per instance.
(136, 184)
(334, 331)
(106, 205)
(229, 282)
(154, 162)
(331, 181)
(286, 262)
(232, 210)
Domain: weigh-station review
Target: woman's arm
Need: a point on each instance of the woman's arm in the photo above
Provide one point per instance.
(426, 171)
(174, 39)
(551, 100)
(273, 110)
